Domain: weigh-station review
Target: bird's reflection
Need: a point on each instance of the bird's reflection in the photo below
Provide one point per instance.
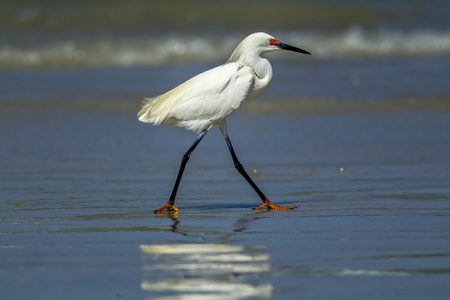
(206, 270)
(174, 226)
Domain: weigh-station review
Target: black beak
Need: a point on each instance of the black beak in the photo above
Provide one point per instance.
(291, 48)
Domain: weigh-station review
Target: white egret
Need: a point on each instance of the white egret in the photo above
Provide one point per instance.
(208, 98)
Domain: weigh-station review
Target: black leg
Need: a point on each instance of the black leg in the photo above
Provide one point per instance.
(241, 170)
(266, 203)
(184, 161)
(170, 204)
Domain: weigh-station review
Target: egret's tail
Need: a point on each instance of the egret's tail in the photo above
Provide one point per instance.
(147, 113)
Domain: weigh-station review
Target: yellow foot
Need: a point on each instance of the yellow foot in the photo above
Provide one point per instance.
(270, 205)
(169, 207)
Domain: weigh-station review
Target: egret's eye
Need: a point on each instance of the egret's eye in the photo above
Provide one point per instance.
(271, 41)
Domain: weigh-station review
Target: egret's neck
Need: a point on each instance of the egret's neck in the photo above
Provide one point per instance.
(260, 66)
(263, 76)
(252, 59)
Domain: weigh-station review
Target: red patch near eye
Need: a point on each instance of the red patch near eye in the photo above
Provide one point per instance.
(274, 42)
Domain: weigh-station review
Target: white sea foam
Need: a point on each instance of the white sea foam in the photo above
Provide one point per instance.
(120, 51)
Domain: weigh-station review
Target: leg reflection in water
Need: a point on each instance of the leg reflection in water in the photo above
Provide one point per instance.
(207, 270)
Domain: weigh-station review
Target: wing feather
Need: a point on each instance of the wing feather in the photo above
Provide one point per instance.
(202, 100)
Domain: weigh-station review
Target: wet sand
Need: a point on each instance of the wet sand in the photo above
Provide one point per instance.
(355, 135)
(79, 187)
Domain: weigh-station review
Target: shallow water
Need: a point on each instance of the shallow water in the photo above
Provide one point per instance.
(79, 187)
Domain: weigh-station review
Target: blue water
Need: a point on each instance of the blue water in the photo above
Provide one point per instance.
(357, 80)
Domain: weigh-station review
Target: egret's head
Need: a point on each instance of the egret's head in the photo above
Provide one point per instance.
(258, 43)
(276, 43)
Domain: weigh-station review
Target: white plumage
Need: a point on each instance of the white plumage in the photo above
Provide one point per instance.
(212, 95)
(208, 98)
(201, 101)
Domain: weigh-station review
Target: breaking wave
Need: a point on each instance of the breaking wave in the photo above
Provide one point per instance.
(124, 51)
